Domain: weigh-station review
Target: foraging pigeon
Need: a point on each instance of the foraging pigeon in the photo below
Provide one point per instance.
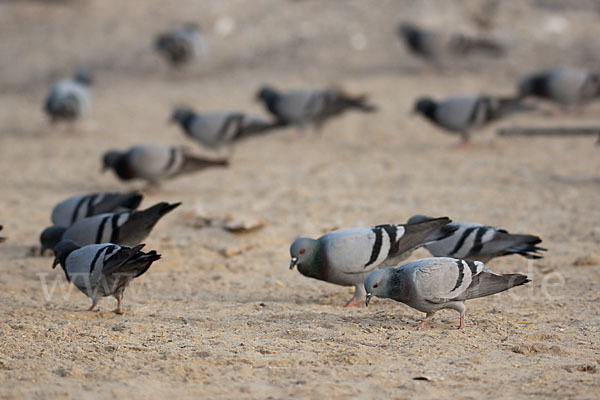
(125, 227)
(346, 256)
(436, 46)
(69, 99)
(68, 211)
(155, 162)
(462, 114)
(302, 107)
(565, 86)
(181, 45)
(478, 242)
(217, 129)
(432, 284)
(101, 270)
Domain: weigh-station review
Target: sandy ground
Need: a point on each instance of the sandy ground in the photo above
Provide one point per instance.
(221, 315)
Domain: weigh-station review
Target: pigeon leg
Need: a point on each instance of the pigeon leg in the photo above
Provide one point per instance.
(422, 324)
(119, 310)
(359, 293)
(462, 319)
(353, 301)
(464, 141)
(93, 306)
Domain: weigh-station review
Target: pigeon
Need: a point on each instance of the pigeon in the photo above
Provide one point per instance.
(463, 114)
(181, 46)
(346, 256)
(437, 46)
(302, 107)
(69, 100)
(566, 86)
(124, 227)
(2, 239)
(217, 129)
(153, 163)
(477, 242)
(432, 284)
(101, 270)
(69, 211)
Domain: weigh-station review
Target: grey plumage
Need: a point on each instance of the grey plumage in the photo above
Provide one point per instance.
(125, 227)
(346, 256)
(101, 270)
(69, 99)
(181, 46)
(77, 207)
(479, 242)
(153, 163)
(432, 284)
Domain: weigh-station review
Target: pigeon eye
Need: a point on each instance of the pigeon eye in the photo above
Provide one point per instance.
(301, 251)
(375, 285)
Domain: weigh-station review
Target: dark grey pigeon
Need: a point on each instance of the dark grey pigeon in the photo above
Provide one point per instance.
(125, 227)
(346, 256)
(303, 107)
(153, 163)
(432, 284)
(567, 87)
(68, 211)
(69, 99)
(473, 241)
(101, 270)
(221, 128)
(181, 46)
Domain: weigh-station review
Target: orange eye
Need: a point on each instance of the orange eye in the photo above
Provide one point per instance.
(301, 251)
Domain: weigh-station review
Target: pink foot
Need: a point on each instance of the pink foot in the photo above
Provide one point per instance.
(353, 301)
(462, 321)
(421, 325)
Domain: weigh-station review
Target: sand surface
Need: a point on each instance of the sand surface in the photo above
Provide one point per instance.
(221, 315)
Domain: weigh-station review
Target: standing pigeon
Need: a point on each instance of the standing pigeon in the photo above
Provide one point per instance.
(69, 99)
(155, 162)
(302, 107)
(346, 256)
(566, 86)
(463, 114)
(436, 46)
(181, 46)
(478, 242)
(101, 270)
(432, 284)
(125, 227)
(68, 211)
(217, 129)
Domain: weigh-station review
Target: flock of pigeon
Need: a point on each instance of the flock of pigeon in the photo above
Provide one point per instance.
(96, 237)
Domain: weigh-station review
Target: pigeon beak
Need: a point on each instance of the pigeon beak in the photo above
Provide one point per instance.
(368, 299)
(55, 263)
(293, 262)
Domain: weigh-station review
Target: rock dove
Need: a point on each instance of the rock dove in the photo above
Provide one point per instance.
(125, 227)
(217, 129)
(566, 86)
(436, 46)
(346, 256)
(463, 114)
(69, 99)
(478, 242)
(68, 211)
(302, 107)
(181, 46)
(432, 284)
(101, 270)
(155, 162)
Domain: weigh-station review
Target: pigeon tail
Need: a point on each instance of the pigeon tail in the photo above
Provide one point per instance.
(358, 102)
(527, 247)
(194, 163)
(488, 283)
(465, 45)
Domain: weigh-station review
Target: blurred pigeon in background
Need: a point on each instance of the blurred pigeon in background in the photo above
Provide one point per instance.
(182, 45)
(153, 163)
(346, 256)
(432, 284)
(68, 100)
(2, 239)
(68, 211)
(478, 242)
(101, 270)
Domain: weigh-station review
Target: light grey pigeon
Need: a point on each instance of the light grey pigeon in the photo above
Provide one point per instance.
(217, 129)
(346, 256)
(437, 46)
(182, 45)
(68, 211)
(463, 114)
(125, 227)
(432, 284)
(473, 241)
(303, 107)
(101, 270)
(566, 86)
(69, 99)
(153, 163)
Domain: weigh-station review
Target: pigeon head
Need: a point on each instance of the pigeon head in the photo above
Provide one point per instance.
(425, 106)
(267, 94)
(62, 251)
(304, 253)
(50, 237)
(182, 116)
(408, 31)
(535, 85)
(84, 77)
(110, 159)
(378, 284)
(417, 218)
